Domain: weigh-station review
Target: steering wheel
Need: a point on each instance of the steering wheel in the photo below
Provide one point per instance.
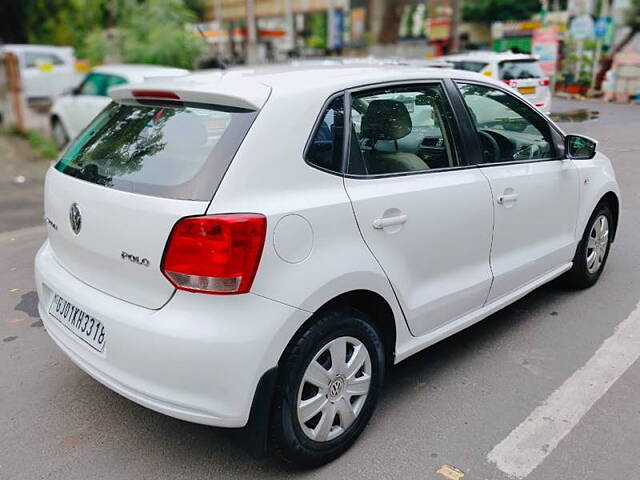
(494, 145)
(533, 149)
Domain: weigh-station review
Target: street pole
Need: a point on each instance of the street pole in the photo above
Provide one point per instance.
(290, 25)
(456, 14)
(252, 45)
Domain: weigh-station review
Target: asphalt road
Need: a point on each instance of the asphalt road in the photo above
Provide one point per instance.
(451, 404)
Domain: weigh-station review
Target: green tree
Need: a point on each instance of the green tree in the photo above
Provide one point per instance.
(157, 32)
(488, 11)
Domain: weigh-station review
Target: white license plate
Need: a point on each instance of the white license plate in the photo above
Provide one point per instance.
(83, 325)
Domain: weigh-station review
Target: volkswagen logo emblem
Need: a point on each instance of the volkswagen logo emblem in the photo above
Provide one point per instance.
(75, 219)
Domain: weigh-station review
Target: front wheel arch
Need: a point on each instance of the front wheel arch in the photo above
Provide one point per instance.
(613, 202)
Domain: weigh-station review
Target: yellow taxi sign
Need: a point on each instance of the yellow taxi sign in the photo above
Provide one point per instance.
(45, 67)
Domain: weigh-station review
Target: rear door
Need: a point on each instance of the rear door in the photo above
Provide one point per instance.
(535, 190)
(117, 191)
(424, 213)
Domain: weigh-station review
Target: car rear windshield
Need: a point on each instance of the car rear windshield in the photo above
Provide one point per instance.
(468, 65)
(165, 150)
(520, 69)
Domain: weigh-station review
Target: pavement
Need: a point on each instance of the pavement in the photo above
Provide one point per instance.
(463, 402)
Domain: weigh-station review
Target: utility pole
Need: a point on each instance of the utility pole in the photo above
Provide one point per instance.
(251, 35)
(456, 16)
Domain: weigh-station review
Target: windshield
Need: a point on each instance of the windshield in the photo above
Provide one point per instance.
(520, 69)
(468, 65)
(161, 150)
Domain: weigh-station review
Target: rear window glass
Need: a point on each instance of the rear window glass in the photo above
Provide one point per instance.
(520, 69)
(169, 151)
(467, 65)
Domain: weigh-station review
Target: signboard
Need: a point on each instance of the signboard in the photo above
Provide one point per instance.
(438, 30)
(545, 47)
(358, 26)
(581, 27)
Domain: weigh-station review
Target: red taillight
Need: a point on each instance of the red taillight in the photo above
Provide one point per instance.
(155, 94)
(544, 82)
(510, 83)
(215, 253)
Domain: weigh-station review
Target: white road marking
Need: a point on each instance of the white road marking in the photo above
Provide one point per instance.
(535, 438)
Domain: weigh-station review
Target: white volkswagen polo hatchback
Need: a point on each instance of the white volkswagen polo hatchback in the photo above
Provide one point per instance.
(255, 248)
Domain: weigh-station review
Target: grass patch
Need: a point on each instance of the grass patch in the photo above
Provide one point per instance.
(41, 144)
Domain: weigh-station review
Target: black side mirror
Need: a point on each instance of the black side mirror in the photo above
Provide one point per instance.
(578, 147)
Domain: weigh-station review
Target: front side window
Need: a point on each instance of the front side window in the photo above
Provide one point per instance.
(173, 151)
(400, 130)
(508, 129)
(325, 149)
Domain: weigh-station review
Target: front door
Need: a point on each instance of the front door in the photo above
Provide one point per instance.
(535, 193)
(425, 215)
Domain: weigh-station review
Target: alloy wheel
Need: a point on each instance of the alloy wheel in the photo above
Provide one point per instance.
(597, 243)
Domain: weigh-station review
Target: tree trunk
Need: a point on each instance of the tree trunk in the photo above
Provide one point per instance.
(607, 60)
(391, 22)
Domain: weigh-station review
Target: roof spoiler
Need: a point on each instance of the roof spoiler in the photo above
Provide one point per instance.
(227, 91)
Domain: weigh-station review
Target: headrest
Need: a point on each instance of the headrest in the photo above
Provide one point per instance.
(386, 120)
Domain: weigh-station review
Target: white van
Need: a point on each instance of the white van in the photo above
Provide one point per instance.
(520, 71)
(46, 71)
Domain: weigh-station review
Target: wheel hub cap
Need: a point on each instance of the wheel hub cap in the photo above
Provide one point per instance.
(334, 389)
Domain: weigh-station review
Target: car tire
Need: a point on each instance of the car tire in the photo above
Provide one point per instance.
(296, 397)
(593, 249)
(59, 134)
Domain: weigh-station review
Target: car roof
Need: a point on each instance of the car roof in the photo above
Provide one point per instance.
(487, 56)
(138, 73)
(27, 47)
(252, 86)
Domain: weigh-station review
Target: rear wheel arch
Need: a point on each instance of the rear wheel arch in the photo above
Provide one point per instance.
(372, 304)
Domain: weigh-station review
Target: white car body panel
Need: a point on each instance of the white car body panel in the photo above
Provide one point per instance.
(170, 350)
(111, 225)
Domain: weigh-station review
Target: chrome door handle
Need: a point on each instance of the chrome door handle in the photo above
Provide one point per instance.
(380, 223)
(509, 197)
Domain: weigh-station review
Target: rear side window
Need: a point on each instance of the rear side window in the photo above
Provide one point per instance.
(467, 65)
(36, 59)
(162, 150)
(519, 69)
(400, 130)
(325, 149)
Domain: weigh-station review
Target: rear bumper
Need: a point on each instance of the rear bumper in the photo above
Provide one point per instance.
(199, 358)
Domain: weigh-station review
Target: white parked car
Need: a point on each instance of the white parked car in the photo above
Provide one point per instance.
(520, 71)
(256, 248)
(72, 112)
(45, 71)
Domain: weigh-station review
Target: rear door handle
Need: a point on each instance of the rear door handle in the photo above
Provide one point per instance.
(380, 223)
(508, 197)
